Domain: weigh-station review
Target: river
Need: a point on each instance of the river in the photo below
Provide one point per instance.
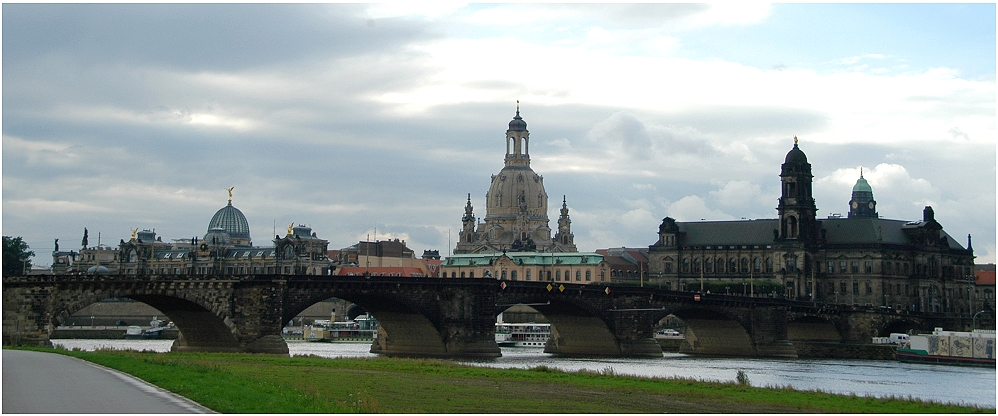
(931, 382)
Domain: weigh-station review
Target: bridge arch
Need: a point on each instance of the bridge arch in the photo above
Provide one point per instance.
(813, 328)
(711, 331)
(201, 325)
(404, 329)
(901, 326)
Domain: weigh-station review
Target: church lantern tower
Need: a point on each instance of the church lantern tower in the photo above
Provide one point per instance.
(862, 204)
(796, 209)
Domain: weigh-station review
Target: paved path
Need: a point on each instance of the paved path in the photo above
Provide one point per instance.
(39, 382)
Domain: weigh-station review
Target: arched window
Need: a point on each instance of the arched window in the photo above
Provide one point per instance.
(710, 265)
(769, 265)
(667, 266)
(557, 275)
(589, 275)
(696, 265)
(756, 265)
(578, 275)
(744, 265)
(686, 265)
(720, 265)
(733, 265)
(512, 275)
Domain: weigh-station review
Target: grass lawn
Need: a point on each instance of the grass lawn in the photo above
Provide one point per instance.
(245, 383)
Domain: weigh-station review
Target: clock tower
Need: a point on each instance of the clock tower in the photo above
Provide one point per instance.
(862, 204)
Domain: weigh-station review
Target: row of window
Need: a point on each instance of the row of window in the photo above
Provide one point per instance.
(710, 265)
(528, 275)
(893, 268)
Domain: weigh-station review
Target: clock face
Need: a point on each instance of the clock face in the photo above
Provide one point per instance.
(855, 204)
(871, 205)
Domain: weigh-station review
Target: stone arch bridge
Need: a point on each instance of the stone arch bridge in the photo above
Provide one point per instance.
(429, 317)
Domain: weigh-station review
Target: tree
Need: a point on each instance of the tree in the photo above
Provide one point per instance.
(16, 256)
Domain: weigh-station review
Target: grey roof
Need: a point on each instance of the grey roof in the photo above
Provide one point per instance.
(744, 232)
(838, 231)
(874, 230)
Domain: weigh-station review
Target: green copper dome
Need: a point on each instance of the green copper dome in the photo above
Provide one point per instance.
(862, 185)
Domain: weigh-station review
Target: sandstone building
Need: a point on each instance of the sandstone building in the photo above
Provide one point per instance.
(862, 259)
(226, 249)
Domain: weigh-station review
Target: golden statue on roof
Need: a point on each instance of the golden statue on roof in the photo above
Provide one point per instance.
(134, 232)
(795, 140)
(230, 192)
(290, 227)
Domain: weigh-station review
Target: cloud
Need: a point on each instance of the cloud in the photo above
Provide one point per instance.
(738, 193)
(693, 208)
(196, 36)
(626, 133)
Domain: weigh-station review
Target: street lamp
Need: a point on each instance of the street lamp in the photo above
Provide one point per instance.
(975, 318)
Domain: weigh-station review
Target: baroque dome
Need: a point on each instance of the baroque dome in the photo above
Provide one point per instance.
(516, 189)
(232, 221)
(796, 155)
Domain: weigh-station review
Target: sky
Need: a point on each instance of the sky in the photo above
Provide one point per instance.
(375, 121)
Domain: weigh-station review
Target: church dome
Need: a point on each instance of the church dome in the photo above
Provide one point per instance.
(796, 155)
(517, 189)
(232, 221)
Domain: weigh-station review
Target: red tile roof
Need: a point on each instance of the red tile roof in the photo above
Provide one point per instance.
(985, 277)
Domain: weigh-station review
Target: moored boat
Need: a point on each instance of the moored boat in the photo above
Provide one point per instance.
(522, 335)
(362, 328)
(949, 347)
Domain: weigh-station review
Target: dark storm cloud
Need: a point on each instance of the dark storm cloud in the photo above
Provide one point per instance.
(197, 36)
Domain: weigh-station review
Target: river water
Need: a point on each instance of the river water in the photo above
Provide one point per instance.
(930, 382)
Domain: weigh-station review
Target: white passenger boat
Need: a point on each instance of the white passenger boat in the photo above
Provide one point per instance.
(522, 335)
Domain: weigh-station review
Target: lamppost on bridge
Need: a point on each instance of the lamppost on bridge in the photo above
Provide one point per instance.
(975, 319)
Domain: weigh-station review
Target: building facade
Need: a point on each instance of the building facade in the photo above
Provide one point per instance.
(226, 249)
(579, 268)
(862, 259)
(516, 207)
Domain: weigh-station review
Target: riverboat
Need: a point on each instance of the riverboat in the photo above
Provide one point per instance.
(136, 332)
(362, 328)
(949, 347)
(522, 335)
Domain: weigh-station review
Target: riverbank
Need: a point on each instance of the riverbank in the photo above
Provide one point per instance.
(241, 383)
